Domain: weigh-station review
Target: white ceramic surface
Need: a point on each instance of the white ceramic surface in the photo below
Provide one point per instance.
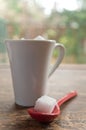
(29, 61)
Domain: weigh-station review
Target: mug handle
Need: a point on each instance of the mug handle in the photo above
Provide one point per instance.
(61, 49)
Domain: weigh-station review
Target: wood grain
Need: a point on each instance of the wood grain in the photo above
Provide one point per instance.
(65, 79)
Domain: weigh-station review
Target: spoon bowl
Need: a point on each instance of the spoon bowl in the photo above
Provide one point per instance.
(49, 117)
(44, 117)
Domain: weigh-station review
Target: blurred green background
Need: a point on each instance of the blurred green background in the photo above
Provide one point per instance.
(28, 19)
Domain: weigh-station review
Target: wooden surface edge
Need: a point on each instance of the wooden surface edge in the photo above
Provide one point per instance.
(62, 66)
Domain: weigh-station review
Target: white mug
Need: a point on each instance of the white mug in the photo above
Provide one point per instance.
(29, 61)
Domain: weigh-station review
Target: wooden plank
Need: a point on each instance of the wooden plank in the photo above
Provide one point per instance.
(65, 79)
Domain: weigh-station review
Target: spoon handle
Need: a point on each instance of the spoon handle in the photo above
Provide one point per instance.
(67, 97)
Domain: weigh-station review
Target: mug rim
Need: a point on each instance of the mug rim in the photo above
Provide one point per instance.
(30, 40)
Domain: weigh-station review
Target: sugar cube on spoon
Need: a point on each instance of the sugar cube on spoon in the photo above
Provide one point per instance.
(45, 104)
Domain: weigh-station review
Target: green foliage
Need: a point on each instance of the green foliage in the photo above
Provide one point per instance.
(14, 5)
(3, 35)
(51, 33)
(70, 44)
(16, 28)
(75, 33)
(67, 27)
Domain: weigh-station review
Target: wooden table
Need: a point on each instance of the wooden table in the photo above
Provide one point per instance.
(65, 79)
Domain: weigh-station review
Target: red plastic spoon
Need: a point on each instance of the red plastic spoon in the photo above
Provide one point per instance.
(48, 117)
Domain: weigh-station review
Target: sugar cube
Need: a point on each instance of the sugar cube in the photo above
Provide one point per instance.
(45, 104)
(39, 38)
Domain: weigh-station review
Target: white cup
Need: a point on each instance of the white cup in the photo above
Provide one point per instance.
(29, 61)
